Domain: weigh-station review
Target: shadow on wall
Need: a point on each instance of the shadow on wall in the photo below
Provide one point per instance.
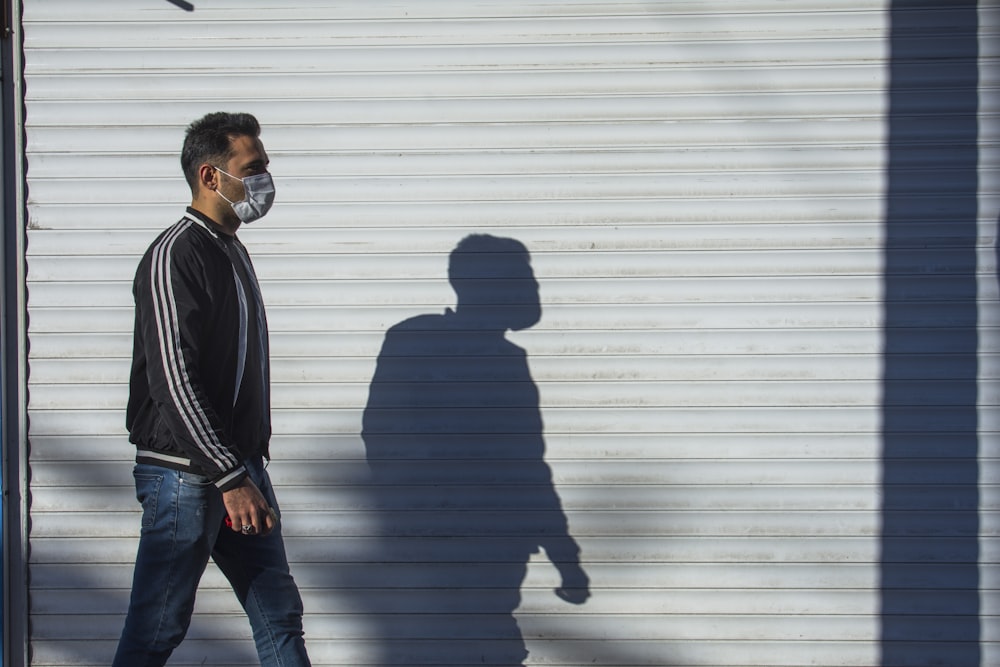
(453, 439)
(930, 610)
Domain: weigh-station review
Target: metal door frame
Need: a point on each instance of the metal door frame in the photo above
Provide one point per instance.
(13, 343)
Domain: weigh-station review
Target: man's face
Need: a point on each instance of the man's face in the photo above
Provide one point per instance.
(248, 159)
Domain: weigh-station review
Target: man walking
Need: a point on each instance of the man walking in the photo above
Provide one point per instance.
(199, 411)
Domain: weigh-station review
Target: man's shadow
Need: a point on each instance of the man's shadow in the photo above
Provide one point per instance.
(453, 439)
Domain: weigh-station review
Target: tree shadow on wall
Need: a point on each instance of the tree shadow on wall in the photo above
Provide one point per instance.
(453, 440)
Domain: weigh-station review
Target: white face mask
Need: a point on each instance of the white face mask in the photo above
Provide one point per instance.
(259, 190)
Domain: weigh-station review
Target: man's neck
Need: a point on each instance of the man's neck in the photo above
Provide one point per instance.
(213, 214)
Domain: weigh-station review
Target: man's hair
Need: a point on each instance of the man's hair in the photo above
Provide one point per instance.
(209, 139)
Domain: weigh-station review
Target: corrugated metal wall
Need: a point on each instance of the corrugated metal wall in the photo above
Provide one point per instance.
(702, 188)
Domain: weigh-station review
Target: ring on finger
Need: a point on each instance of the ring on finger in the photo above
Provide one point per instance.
(248, 529)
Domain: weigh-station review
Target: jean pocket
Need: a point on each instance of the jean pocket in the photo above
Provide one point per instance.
(193, 479)
(147, 492)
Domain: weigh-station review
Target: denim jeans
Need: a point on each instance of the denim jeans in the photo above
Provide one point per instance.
(182, 517)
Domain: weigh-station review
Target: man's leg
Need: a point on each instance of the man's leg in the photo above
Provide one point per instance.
(181, 516)
(257, 568)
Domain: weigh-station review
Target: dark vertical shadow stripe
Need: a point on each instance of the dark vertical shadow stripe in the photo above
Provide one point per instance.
(930, 519)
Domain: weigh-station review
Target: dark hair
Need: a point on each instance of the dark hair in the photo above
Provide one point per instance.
(209, 139)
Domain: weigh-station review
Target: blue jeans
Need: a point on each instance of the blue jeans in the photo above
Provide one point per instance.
(182, 515)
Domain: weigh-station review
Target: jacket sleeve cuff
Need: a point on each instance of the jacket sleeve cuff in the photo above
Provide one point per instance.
(231, 479)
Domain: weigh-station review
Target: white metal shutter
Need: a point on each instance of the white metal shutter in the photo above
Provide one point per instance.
(702, 189)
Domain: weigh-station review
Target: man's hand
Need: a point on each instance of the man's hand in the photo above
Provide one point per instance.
(575, 587)
(248, 511)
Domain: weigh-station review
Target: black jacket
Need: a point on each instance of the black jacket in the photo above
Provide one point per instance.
(199, 388)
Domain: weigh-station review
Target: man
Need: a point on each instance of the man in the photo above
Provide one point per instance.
(199, 411)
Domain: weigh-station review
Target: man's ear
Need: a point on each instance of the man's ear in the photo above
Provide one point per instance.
(207, 175)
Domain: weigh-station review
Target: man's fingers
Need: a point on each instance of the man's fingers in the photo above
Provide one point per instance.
(244, 526)
(262, 524)
(270, 521)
